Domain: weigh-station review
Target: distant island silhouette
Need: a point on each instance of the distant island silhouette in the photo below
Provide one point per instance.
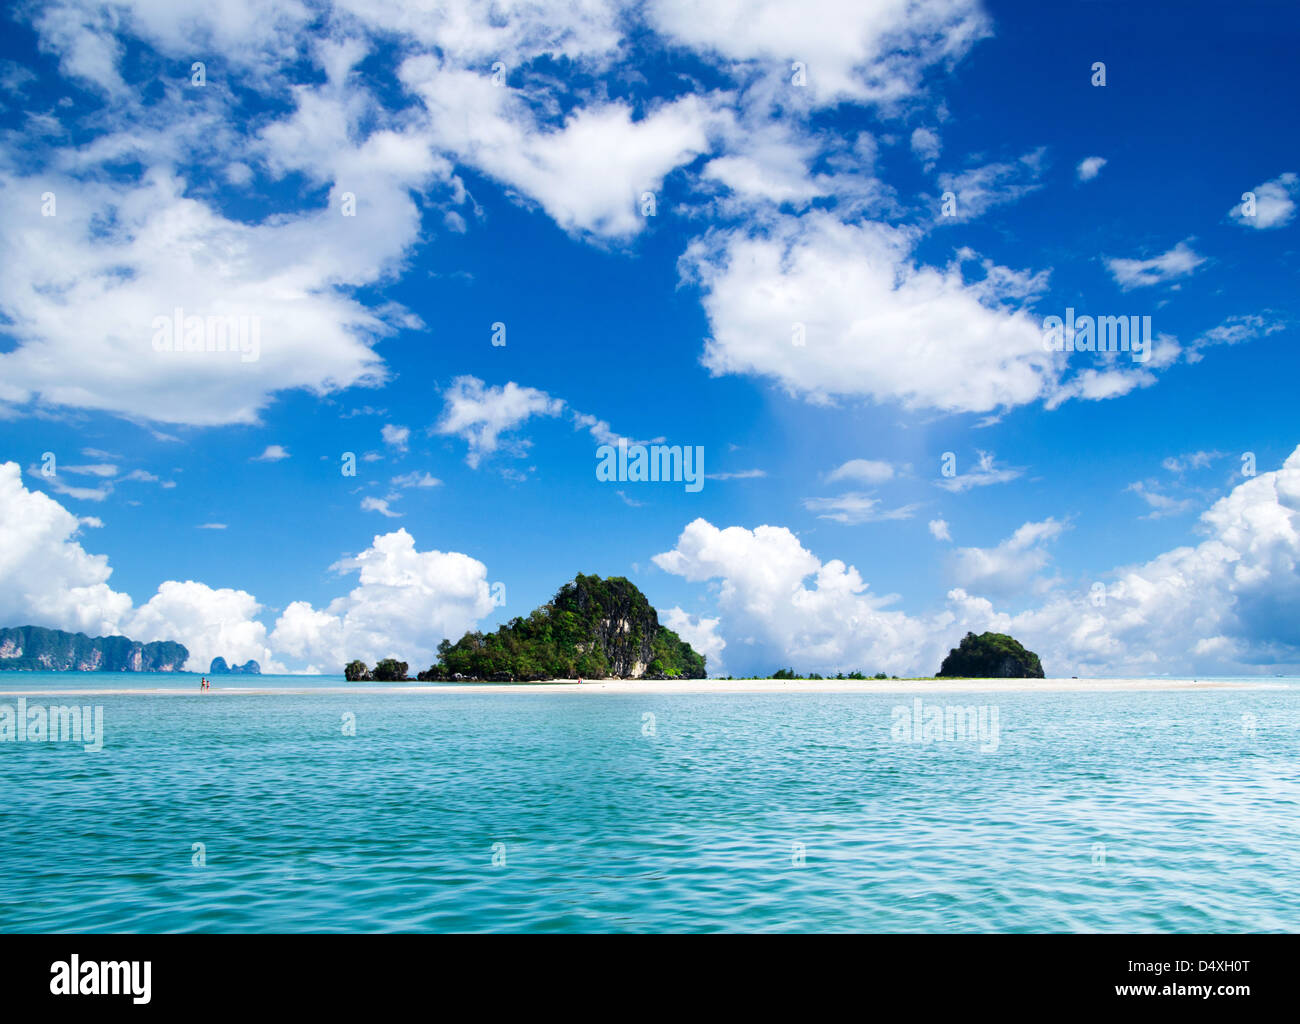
(37, 649)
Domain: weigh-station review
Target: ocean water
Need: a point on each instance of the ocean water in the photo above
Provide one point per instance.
(514, 811)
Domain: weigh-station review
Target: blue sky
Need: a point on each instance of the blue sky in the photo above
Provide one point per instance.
(199, 497)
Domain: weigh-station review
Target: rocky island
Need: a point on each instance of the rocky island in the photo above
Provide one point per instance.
(248, 668)
(991, 656)
(37, 649)
(592, 629)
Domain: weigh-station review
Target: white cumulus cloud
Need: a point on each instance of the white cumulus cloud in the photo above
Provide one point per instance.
(1090, 167)
(46, 577)
(1011, 565)
(480, 414)
(405, 602)
(701, 633)
(1225, 605)
(874, 324)
(1274, 203)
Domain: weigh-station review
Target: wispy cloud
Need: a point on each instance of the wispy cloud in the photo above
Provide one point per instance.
(416, 479)
(273, 453)
(854, 507)
(1192, 460)
(480, 415)
(1178, 262)
(985, 473)
(395, 437)
(979, 189)
(926, 145)
(71, 490)
(1011, 565)
(100, 470)
(1233, 331)
(380, 505)
(865, 471)
(484, 417)
(1161, 504)
(741, 474)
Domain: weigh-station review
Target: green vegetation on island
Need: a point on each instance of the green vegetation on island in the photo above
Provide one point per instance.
(605, 628)
(991, 656)
(592, 629)
(987, 656)
(37, 649)
(389, 670)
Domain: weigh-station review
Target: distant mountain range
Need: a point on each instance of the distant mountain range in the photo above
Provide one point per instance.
(37, 649)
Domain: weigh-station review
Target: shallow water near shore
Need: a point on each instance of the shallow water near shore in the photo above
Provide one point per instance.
(1120, 810)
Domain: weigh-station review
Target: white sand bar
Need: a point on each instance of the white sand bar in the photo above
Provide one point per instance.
(669, 686)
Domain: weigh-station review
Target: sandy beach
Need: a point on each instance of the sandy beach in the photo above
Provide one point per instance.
(690, 686)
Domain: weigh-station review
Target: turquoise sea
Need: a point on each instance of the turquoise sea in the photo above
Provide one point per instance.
(525, 811)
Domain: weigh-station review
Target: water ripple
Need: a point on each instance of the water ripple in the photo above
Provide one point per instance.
(768, 812)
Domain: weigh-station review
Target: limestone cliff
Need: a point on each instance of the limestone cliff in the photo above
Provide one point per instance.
(220, 668)
(593, 628)
(36, 649)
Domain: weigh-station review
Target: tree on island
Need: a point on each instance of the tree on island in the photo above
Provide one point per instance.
(356, 672)
(991, 656)
(387, 671)
(390, 671)
(592, 628)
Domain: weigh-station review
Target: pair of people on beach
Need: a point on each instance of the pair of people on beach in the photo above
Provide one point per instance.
(204, 684)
